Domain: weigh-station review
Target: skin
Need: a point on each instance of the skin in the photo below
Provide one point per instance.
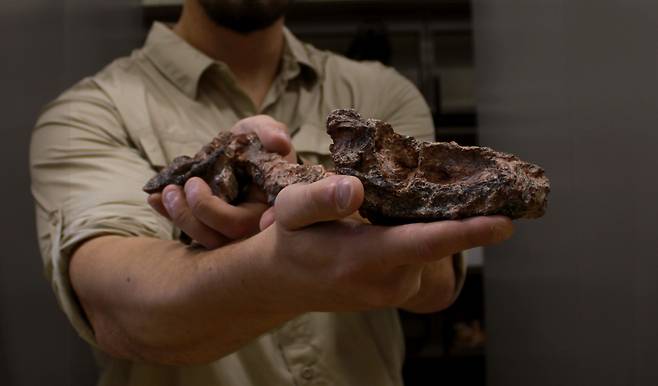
(253, 59)
(159, 301)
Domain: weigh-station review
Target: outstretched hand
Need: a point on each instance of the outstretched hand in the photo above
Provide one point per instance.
(315, 239)
(345, 264)
(206, 218)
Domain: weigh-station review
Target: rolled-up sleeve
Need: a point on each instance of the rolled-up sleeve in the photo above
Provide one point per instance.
(86, 182)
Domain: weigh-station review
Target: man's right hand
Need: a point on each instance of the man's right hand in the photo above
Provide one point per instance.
(206, 218)
(333, 262)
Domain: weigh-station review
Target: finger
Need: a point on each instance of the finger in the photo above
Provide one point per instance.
(155, 201)
(181, 215)
(234, 222)
(331, 198)
(426, 242)
(272, 134)
(267, 219)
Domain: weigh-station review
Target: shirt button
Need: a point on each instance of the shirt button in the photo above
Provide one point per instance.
(308, 373)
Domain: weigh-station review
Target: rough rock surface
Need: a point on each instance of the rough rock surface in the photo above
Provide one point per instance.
(230, 163)
(405, 180)
(410, 181)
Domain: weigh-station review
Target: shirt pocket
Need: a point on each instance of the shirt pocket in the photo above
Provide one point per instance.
(151, 148)
(161, 151)
(312, 138)
(312, 145)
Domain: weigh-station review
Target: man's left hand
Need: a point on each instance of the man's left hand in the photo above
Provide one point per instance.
(206, 218)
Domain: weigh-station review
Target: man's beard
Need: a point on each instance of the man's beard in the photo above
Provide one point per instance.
(244, 16)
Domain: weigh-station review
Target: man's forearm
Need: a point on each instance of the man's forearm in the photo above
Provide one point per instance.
(160, 301)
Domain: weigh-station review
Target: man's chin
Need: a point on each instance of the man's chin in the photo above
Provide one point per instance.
(245, 16)
(245, 28)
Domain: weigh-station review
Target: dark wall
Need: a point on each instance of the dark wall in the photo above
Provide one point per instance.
(573, 86)
(46, 46)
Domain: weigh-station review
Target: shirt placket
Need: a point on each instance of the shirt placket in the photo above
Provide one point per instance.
(289, 70)
(240, 102)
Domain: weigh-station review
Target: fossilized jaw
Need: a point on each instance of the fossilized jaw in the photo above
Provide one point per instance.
(407, 181)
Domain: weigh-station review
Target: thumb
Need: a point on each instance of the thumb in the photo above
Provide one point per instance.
(331, 198)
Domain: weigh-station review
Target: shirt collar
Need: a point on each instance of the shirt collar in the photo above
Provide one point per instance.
(184, 65)
(181, 63)
(299, 53)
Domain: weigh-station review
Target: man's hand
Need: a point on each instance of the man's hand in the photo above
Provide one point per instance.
(161, 302)
(206, 218)
(342, 264)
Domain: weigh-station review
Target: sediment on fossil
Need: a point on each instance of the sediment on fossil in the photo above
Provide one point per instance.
(406, 180)
(230, 163)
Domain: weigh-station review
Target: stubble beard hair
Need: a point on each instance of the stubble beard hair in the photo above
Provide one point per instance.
(245, 16)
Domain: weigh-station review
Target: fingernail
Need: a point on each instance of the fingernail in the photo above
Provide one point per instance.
(169, 198)
(191, 186)
(343, 194)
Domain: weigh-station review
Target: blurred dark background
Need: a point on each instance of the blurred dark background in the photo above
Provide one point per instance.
(572, 86)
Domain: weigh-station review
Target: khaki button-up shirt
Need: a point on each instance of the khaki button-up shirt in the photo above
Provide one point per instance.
(95, 146)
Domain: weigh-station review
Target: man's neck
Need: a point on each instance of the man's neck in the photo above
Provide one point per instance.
(253, 58)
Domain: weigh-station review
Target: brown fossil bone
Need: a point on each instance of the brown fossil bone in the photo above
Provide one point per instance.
(230, 163)
(404, 180)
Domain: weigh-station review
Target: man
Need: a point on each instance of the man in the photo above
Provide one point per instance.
(301, 293)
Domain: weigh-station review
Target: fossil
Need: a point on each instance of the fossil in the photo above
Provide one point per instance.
(405, 180)
(230, 162)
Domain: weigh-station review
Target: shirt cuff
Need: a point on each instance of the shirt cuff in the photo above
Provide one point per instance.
(65, 238)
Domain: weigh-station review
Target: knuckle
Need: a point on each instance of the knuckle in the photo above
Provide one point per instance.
(200, 205)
